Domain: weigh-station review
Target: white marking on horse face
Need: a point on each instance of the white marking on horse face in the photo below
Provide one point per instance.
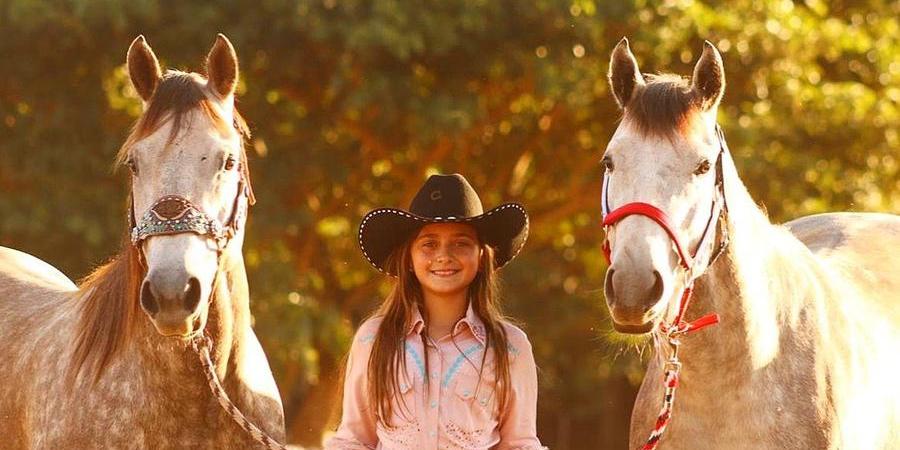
(660, 172)
(191, 166)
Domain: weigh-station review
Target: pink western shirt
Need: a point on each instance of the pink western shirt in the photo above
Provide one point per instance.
(453, 410)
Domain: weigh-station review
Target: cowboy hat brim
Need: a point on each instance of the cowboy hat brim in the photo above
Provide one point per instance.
(505, 228)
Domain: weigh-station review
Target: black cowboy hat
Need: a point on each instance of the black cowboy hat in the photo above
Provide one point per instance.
(444, 198)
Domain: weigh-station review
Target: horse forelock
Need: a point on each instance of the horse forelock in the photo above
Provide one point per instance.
(107, 309)
(663, 107)
(178, 94)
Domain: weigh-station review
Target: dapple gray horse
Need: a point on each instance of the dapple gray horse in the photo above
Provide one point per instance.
(82, 366)
(805, 352)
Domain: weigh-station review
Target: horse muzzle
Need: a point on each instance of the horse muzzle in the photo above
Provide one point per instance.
(173, 303)
(634, 299)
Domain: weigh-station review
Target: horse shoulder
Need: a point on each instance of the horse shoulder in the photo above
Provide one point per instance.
(259, 390)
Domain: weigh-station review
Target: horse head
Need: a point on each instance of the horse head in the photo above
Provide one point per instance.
(663, 189)
(190, 185)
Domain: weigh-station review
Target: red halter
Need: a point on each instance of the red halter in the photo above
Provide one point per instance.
(649, 211)
(688, 261)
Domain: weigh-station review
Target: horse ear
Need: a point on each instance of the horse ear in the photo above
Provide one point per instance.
(222, 67)
(624, 75)
(143, 68)
(709, 77)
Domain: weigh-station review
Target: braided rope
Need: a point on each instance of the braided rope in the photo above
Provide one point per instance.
(673, 365)
(665, 414)
(201, 345)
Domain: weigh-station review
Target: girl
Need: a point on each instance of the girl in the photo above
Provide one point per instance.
(438, 367)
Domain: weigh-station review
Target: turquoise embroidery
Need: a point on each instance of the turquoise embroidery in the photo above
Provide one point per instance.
(458, 362)
(418, 359)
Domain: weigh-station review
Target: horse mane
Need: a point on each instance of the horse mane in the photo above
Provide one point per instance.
(664, 106)
(109, 296)
(107, 311)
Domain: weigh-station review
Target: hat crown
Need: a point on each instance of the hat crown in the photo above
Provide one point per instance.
(444, 196)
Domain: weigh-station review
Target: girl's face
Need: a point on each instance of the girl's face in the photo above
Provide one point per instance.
(446, 258)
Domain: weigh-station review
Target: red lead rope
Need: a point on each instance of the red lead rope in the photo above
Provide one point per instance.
(673, 365)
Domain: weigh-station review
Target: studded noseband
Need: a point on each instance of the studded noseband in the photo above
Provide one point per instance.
(174, 214)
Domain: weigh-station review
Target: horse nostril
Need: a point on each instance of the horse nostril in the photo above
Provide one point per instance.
(657, 290)
(148, 300)
(192, 294)
(608, 289)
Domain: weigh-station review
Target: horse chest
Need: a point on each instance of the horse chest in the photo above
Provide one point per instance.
(135, 410)
(747, 414)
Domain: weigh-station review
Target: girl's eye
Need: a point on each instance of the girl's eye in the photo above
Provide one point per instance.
(702, 168)
(607, 163)
(429, 244)
(132, 166)
(230, 162)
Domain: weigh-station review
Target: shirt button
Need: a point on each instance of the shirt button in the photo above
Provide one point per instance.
(432, 434)
(433, 404)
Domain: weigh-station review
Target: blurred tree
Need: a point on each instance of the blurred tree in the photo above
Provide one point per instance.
(354, 102)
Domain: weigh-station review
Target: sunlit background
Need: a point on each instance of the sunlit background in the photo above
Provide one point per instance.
(353, 103)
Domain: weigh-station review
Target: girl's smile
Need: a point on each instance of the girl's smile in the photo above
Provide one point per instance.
(445, 272)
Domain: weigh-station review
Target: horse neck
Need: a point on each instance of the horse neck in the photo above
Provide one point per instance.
(229, 315)
(760, 278)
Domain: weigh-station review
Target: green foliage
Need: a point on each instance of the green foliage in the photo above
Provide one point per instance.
(352, 103)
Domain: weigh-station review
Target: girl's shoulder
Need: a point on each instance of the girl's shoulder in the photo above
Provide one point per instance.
(367, 330)
(516, 338)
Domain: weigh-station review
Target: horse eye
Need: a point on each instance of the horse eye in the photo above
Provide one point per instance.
(607, 163)
(230, 163)
(702, 168)
(132, 166)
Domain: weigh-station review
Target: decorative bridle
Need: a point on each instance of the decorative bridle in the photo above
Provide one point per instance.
(689, 261)
(174, 214)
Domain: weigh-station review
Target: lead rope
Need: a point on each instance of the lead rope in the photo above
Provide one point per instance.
(673, 364)
(201, 345)
(672, 367)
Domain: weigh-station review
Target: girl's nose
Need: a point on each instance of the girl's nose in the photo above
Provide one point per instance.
(442, 254)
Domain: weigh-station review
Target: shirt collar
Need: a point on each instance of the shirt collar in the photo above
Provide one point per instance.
(470, 320)
(417, 323)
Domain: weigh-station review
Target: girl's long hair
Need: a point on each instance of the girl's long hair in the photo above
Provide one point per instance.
(387, 363)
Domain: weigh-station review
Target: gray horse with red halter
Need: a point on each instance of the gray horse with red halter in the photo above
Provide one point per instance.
(807, 325)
